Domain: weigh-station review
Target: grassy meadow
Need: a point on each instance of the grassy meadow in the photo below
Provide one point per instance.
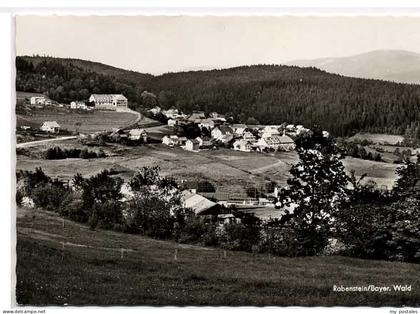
(62, 262)
(94, 121)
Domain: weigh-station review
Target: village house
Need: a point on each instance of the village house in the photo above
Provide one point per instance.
(248, 136)
(138, 134)
(206, 123)
(114, 102)
(242, 145)
(204, 142)
(37, 100)
(172, 122)
(79, 105)
(196, 116)
(239, 129)
(50, 127)
(221, 131)
(182, 140)
(227, 219)
(171, 113)
(155, 110)
(197, 203)
(276, 142)
(192, 145)
(270, 130)
(171, 140)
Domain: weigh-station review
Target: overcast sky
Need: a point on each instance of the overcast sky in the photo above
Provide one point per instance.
(158, 44)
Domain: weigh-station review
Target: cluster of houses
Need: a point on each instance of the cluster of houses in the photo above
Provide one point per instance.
(236, 136)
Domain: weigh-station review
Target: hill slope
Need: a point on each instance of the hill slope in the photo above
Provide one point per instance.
(393, 65)
(270, 94)
(91, 270)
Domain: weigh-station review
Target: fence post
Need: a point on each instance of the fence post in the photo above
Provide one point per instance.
(224, 253)
(62, 250)
(122, 253)
(176, 255)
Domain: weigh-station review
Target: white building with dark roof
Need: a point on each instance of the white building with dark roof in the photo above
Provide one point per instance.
(114, 102)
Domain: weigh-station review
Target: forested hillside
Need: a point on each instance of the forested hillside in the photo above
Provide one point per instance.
(65, 80)
(266, 93)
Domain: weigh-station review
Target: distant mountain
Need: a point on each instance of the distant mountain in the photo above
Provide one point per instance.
(392, 65)
(268, 94)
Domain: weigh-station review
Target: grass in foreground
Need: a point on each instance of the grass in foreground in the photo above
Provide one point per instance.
(90, 270)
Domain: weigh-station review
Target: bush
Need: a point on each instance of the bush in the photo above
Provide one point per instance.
(19, 197)
(49, 196)
(72, 207)
(150, 216)
(389, 232)
(239, 237)
(58, 153)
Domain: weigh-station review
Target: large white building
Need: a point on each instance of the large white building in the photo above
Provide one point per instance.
(115, 102)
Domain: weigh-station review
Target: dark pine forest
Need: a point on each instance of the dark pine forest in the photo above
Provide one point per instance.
(267, 94)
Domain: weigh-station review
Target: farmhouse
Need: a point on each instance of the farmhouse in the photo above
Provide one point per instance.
(227, 219)
(171, 140)
(171, 113)
(38, 100)
(242, 145)
(204, 141)
(115, 102)
(137, 134)
(284, 143)
(199, 204)
(172, 122)
(79, 105)
(220, 131)
(248, 136)
(50, 127)
(192, 145)
(197, 116)
(239, 129)
(182, 140)
(155, 110)
(270, 130)
(206, 123)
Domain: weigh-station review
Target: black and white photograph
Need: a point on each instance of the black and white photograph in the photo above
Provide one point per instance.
(217, 160)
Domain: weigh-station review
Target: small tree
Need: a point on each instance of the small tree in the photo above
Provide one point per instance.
(406, 177)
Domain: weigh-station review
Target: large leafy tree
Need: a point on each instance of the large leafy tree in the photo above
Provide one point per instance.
(101, 195)
(316, 191)
(155, 205)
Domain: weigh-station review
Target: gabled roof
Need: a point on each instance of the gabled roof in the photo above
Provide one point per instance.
(51, 124)
(239, 126)
(108, 97)
(196, 202)
(137, 131)
(225, 129)
(194, 141)
(241, 142)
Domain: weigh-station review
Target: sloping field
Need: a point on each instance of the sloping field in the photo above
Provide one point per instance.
(230, 171)
(89, 122)
(378, 138)
(61, 262)
(382, 173)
